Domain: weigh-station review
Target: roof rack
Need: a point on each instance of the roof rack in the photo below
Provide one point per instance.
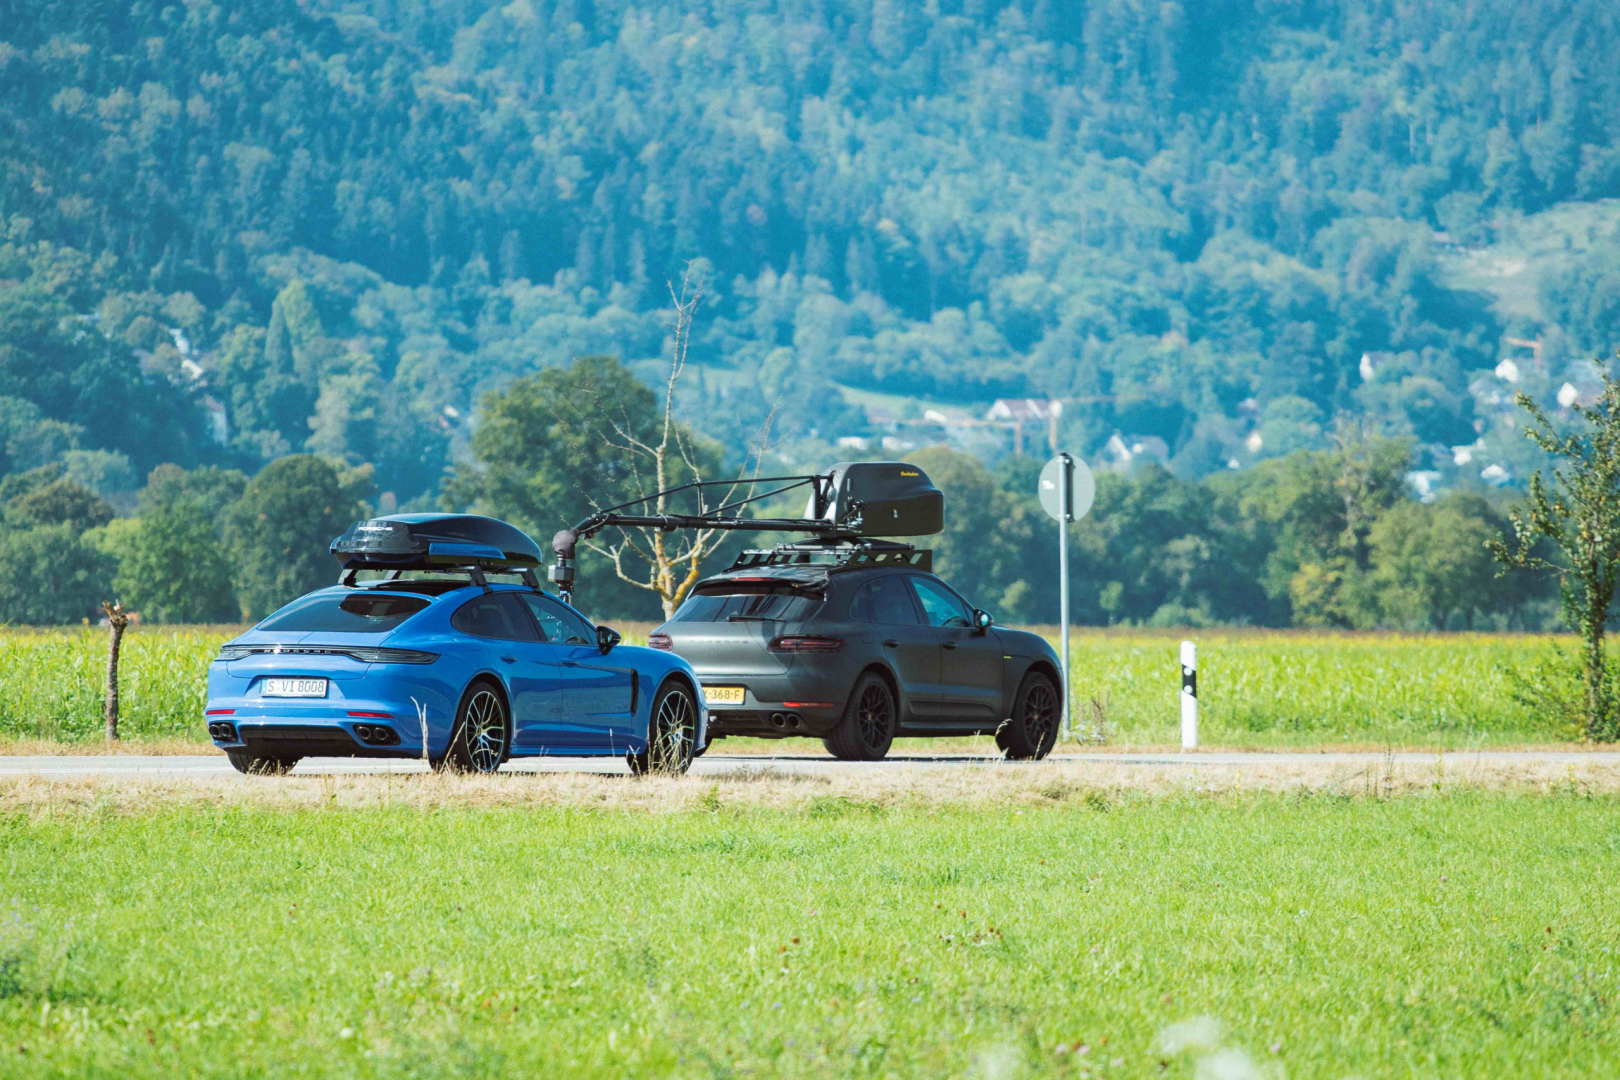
(836, 555)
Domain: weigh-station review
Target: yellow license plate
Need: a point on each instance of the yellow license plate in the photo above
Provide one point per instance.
(723, 695)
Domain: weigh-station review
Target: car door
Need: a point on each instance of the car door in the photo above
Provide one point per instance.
(512, 646)
(598, 695)
(971, 665)
(909, 645)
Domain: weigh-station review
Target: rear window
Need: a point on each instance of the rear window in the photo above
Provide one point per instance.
(747, 602)
(356, 613)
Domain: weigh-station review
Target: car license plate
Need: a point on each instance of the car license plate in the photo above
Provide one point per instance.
(293, 688)
(723, 695)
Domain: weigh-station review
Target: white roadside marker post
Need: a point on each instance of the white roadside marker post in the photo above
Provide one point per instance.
(1066, 490)
(1189, 696)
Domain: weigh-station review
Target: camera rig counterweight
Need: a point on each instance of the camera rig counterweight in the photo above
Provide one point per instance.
(852, 502)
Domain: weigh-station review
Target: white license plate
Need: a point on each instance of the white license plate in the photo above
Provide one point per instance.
(293, 688)
(723, 695)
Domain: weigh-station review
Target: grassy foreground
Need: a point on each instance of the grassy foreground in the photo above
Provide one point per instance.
(1247, 936)
(1257, 688)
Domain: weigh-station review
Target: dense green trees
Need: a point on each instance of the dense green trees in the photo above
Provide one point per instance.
(172, 567)
(229, 234)
(353, 220)
(280, 531)
(1320, 538)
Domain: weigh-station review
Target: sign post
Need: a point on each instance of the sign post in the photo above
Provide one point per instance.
(1067, 489)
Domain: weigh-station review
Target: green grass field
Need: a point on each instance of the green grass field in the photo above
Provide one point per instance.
(1257, 688)
(1459, 935)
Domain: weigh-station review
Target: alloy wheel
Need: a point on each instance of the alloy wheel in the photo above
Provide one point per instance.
(875, 715)
(674, 732)
(1040, 714)
(485, 733)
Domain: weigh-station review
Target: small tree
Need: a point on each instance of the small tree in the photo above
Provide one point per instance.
(553, 447)
(665, 564)
(1580, 515)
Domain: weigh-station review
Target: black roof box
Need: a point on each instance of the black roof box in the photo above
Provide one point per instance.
(882, 498)
(435, 542)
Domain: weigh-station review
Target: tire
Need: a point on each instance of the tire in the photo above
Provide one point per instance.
(482, 737)
(254, 765)
(1032, 730)
(867, 730)
(671, 733)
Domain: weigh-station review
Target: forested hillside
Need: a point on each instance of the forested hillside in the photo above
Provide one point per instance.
(236, 232)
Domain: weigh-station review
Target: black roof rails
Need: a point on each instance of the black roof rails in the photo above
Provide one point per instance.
(834, 556)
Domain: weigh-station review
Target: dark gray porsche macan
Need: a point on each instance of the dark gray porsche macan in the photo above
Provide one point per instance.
(857, 644)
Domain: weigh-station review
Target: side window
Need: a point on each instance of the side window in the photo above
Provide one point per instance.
(860, 608)
(496, 615)
(943, 607)
(557, 623)
(885, 600)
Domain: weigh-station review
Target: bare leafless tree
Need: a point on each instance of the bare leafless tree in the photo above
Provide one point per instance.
(670, 563)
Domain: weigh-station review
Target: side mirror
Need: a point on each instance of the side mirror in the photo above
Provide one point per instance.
(982, 620)
(607, 637)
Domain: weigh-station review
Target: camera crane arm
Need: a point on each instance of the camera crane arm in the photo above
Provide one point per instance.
(723, 518)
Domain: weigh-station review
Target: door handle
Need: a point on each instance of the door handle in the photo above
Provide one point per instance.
(509, 659)
(891, 643)
(949, 644)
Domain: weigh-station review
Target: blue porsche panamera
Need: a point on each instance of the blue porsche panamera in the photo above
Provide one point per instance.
(433, 659)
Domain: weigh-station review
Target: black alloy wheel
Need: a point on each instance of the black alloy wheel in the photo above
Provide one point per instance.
(867, 730)
(1032, 730)
(479, 743)
(671, 733)
(256, 765)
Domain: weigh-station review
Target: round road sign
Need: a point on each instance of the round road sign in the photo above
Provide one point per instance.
(1082, 487)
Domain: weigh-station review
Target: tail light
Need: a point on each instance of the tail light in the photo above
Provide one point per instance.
(660, 641)
(369, 655)
(806, 643)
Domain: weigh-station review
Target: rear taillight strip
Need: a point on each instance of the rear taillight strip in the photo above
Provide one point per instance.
(806, 643)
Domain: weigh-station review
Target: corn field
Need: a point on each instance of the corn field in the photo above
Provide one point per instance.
(1299, 687)
(51, 682)
(1256, 688)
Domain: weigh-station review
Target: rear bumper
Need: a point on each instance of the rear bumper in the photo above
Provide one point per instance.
(795, 703)
(385, 696)
(302, 737)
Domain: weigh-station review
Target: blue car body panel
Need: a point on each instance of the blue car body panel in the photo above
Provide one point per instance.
(564, 699)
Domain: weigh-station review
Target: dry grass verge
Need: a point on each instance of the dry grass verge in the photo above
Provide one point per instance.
(1099, 784)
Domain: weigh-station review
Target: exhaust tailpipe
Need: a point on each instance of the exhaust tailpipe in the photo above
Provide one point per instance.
(778, 721)
(793, 720)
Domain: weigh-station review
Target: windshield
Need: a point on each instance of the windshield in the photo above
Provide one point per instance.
(354, 613)
(748, 602)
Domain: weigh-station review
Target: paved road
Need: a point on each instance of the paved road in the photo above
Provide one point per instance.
(215, 765)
